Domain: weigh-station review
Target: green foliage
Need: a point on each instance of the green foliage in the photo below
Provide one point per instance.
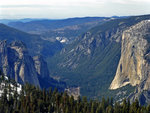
(99, 71)
(34, 43)
(95, 72)
(33, 100)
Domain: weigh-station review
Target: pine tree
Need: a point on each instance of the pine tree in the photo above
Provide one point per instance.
(109, 109)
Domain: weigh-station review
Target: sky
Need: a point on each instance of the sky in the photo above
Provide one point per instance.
(58, 9)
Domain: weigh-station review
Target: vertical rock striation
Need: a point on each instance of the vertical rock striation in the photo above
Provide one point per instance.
(41, 66)
(133, 67)
(18, 64)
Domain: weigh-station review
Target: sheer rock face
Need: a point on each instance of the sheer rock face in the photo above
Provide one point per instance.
(3, 56)
(18, 64)
(134, 65)
(41, 66)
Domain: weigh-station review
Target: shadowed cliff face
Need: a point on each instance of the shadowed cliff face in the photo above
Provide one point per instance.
(41, 66)
(133, 67)
(18, 64)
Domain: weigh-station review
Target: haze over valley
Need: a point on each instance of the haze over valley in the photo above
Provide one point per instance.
(75, 56)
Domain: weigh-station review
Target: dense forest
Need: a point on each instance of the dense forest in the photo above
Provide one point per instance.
(31, 99)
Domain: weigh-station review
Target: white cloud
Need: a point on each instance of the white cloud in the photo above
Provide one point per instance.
(49, 2)
(146, 1)
(120, 1)
(65, 2)
(69, 8)
(130, 1)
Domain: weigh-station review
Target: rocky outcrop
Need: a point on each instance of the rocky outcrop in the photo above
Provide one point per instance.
(133, 67)
(18, 64)
(41, 66)
(134, 64)
(89, 45)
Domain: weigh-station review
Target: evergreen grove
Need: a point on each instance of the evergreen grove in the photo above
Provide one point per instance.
(32, 99)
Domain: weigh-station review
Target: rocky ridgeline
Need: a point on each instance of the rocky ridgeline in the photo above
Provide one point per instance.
(88, 45)
(19, 65)
(134, 64)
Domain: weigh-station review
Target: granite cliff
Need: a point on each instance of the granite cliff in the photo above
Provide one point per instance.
(134, 64)
(18, 64)
(41, 66)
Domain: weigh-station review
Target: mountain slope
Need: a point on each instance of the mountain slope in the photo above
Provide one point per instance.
(64, 29)
(16, 63)
(91, 61)
(45, 24)
(35, 43)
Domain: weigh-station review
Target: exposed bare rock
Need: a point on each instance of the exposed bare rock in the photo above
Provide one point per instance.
(3, 56)
(88, 45)
(134, 64)
(17, 63)
(41, 66)
(74, 91)
(133, 68)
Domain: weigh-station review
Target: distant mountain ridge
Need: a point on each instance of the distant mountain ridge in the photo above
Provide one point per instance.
(35, 43)
(69, 28)
(52, 24)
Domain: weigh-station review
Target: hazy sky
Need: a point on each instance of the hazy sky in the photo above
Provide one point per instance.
(71, 8)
